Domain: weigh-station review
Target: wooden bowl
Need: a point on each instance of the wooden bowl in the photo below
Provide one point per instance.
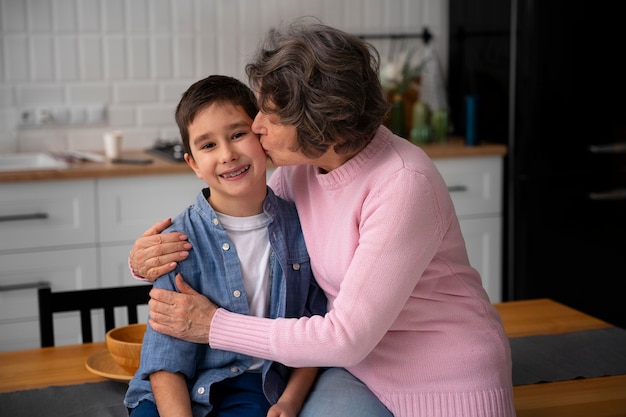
(124, 345)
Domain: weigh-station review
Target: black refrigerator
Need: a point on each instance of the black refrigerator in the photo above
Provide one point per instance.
(551, 84)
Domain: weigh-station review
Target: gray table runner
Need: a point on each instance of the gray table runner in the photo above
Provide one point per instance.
(536, 359)
(98, 399)
(586, 354)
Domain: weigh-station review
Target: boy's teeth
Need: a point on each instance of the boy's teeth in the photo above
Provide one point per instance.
(235, 173)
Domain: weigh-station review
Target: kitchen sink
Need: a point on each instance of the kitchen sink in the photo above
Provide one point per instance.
(29, 162)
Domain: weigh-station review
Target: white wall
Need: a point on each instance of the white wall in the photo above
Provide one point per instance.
(138, 56)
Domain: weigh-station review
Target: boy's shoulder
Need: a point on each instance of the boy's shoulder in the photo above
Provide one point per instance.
(279, 202)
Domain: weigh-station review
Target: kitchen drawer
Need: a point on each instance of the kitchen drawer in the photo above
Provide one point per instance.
(475, 184)
(128, 206)
(20, 276)
(46, 213)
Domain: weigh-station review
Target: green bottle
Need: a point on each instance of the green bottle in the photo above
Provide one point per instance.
(439, 122)
(420, 129)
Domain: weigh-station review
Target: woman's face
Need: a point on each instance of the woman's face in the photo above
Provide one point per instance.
(280, 143)
(278, 140)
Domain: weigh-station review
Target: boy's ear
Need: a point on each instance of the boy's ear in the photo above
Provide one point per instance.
(192, 164)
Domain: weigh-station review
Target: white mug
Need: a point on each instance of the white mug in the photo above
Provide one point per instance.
(112, 144)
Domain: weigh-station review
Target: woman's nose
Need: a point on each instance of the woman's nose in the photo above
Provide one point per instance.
(257, 124)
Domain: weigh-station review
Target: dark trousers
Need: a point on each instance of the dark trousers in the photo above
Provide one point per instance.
(232, 397)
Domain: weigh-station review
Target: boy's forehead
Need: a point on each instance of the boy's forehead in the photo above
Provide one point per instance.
(225, 105)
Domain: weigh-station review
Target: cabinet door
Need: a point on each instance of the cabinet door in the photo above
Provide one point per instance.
(475, 184)
(128, 206)
(483, 239)
(46, 214)
(20, 275)
(115, 273)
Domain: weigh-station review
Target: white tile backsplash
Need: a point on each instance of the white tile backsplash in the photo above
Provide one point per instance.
(155, 115)
(16, 63)
(183, 57)
(64, 15)
(114, 16)
(138, 56)
(89, 93)
(33, 94)
(115, 53)
(163, 57)
(89, 16)
(137, 18)
(13, 15)
(161, 16)
(42, 58)
(39, 16)
(66, 47)
(121, 116)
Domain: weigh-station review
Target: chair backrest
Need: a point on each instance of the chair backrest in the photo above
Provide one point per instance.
(85, 301)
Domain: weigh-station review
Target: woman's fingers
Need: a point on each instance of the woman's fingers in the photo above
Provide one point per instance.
(155, 254)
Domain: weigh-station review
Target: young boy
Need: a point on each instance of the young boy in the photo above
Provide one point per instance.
(248, 256)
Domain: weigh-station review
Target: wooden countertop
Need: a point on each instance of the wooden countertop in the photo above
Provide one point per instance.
(81, 170)
(455, 148)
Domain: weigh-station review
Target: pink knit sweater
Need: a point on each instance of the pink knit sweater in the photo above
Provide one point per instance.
(406, 313)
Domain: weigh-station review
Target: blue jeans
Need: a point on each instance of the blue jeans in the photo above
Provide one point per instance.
(338, 393)
(233, 397)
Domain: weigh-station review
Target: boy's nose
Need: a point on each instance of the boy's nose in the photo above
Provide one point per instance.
(228, 153)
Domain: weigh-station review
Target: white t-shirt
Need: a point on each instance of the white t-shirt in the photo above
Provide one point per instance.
(251, 239)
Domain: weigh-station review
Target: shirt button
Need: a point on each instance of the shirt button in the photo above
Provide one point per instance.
(296, 267)
(234, 369)
(237, 293)
(225, 246)
(201, 390)
(216, 222)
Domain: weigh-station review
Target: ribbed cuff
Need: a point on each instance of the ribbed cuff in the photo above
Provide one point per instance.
(240, 333)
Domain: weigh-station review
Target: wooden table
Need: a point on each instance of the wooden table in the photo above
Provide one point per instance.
(593, 397)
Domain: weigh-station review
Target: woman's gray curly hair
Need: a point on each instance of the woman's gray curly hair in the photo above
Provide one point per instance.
(322, 80)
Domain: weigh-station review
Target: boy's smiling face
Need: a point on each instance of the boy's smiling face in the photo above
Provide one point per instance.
(228, 156)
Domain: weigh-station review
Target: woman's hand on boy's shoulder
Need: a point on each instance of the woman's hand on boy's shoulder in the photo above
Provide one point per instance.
(155, 253)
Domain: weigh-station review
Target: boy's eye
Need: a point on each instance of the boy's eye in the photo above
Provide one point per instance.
(239, 135)
(207, 145)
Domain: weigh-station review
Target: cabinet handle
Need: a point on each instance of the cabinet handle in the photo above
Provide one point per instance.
(618, 147)
(619, 194)
(457, 188)
(19, 217)
(24, 286)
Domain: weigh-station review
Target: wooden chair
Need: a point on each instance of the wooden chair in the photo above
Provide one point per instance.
(85, 301)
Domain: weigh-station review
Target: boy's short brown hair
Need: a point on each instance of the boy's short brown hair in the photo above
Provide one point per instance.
(213, 89)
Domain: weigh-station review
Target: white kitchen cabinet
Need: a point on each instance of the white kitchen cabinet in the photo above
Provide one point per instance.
(48, 237)
(128, 206)
(475, 185)
(42, 214)
(74, 234)
(20, 276)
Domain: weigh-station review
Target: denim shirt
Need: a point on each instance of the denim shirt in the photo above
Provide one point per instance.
(212, 269)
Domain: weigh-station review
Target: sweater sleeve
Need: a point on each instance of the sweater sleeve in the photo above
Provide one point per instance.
(392, 250)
